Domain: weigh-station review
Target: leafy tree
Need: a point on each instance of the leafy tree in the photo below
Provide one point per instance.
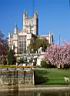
(3, 44)
(3, 48)
(11, 58)
(37, 43)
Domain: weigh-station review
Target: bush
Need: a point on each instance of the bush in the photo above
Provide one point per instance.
(66, 66)
(39, 79)
(44, 64)
(20, 61)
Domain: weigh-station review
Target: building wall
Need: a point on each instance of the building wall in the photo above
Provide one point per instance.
(48, 37)
(22, 44)
(16, 77)
(21, 40)
(30, 24)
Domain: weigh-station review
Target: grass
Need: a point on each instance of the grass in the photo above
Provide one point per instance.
(53, 76)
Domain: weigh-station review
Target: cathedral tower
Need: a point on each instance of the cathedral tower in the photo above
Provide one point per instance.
(30, 24)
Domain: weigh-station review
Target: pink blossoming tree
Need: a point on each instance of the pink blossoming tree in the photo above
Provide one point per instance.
(58, 56)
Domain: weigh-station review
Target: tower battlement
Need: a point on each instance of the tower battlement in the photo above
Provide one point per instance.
(30, 24)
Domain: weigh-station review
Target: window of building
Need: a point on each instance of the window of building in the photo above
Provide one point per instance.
(21, 44)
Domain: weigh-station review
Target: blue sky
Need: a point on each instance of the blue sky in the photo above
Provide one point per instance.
(54, 16)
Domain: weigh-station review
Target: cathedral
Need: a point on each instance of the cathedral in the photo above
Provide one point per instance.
(20, 40)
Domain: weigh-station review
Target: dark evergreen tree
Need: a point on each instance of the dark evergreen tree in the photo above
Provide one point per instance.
(11, 58)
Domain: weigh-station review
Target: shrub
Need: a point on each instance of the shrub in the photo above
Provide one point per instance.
(44, 64)
(20, 61)
(39, 79)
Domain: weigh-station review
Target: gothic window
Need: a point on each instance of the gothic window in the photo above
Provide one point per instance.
(22, 44)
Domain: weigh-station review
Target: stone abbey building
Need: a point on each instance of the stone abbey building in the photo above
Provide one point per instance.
(20, 40)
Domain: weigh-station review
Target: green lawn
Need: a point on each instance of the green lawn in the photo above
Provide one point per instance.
(52, 76)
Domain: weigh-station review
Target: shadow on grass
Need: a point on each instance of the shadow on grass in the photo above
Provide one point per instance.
(51, 77)
(39, 79)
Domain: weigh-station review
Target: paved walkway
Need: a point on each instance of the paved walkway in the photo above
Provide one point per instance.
(35, 88)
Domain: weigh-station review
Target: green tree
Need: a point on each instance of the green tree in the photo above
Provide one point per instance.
(43, 64)
(42, 42)
(37, 43)
(11, 58)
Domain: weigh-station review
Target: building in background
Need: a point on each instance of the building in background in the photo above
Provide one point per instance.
(48, 38)
(20, 40)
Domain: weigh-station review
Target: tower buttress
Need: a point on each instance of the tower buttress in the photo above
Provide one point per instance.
(25, 17)
(36, 23)
(16, 29)
(50, 38)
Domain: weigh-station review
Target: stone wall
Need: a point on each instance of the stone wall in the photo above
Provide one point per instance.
(18, 76)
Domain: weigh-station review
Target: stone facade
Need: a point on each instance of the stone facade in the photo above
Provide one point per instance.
(48, 37)
(17, 76)
(20, 40)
